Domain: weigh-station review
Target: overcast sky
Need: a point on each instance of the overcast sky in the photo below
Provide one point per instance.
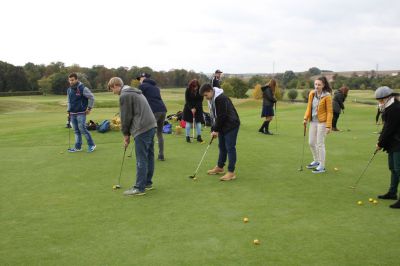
(234, 36)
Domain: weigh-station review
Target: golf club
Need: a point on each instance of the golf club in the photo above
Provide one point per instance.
(193, 126)
(118, 185)
(202, 158)
(365, 169)
(69, 132)
(304, 142)
(346, 128)
(130, 155)
(276, 121)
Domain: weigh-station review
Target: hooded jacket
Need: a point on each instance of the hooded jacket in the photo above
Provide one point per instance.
(193, 100)
(223, 114)
(324, 110)
(338, 100)
(268, 97)
(136, 114)
(153, 95)
(389, 138)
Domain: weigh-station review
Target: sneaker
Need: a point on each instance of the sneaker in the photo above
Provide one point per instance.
(161, 157)
(134, 192)
(261, 130)
(91, 148)
(396, 205)
(313, 165)
(268, 133)
(216, 171)
(149, 187)
(388, 196)
(335, 129)
(74, 150)
(228, 177)
(199, 139)
(188, 139)
(318, 170)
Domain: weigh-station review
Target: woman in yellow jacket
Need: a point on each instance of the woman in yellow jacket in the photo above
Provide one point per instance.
(319, 113)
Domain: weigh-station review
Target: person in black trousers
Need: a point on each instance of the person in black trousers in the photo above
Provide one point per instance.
(193, 110)
(389, 139)
(338, 100)
(268, 106)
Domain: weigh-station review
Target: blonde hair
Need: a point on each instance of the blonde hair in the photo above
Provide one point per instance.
(115, 81)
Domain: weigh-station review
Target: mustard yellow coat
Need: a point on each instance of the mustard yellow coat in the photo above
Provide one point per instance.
(324, 109)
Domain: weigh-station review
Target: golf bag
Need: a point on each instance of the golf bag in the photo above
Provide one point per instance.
(91, 125)
(207, 119)
(167, 128)
(104, 126)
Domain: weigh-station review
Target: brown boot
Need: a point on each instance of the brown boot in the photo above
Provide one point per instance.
(216, 171)
(228, 176)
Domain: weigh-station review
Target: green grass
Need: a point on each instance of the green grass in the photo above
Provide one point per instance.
(59, 208)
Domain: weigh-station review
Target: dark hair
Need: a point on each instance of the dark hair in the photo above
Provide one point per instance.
(205, 88)
(73, 75)
(193, 84)
(326, 87)
(344, 89)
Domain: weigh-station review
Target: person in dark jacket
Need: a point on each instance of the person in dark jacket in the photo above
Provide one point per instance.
(338, 99)
(193, 110)
(268, 106)
(80, 104)
(389, 139)
(216, 80)
(138, 121)
(225, 126)
(153, 96)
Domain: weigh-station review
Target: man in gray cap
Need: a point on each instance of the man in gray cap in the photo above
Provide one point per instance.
(389, 139)
(216, 80)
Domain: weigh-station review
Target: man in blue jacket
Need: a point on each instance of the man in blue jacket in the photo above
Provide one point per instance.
(153, 96)
(80, 103)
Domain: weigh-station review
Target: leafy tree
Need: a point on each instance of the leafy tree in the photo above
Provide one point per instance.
(240, 88)
(314, 71)
(292, 94)
(279, 92)
(287, 77)
(44, 85)
(305, 94)
(33, 74)
(257, 79)
(257, 92)
(59, 83)
(228, 89)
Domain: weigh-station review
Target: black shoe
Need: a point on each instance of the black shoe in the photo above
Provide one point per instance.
(261, 130)
(388, 196)
(188, 139)
(268, 133)
(161, 157)
(199, 139)
(396, 205)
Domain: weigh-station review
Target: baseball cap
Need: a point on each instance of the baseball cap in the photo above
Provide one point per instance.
(143, 75)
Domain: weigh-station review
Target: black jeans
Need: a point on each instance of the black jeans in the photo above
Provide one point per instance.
(335, 119)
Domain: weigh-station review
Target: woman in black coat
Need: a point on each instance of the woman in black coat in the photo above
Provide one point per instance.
(193, 110)
(268, 106)
(338, 106)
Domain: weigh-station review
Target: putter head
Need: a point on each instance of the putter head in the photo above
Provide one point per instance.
(116, 187)
(352, 187)
(192, 176)
(300, 169)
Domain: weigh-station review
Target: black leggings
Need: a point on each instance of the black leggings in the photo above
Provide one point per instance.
(335, 119)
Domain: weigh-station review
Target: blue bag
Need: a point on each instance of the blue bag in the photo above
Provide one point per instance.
(104, 126)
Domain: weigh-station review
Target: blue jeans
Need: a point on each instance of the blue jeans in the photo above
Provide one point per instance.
(189, 126)
(227, 148)
(394, 166)
(144, 150)
(79, 125)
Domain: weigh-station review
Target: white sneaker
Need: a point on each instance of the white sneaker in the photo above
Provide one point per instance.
(313, 165)
(319, 170)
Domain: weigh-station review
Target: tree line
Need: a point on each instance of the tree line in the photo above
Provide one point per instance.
(52, 79)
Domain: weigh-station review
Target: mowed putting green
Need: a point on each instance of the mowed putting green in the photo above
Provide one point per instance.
(59, 208)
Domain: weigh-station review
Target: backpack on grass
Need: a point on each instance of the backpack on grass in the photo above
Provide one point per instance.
(104, 126)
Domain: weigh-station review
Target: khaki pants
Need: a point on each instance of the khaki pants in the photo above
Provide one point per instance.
(317, 133)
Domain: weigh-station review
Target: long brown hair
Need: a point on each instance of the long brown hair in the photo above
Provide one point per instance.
(272, 85)
(193, 84)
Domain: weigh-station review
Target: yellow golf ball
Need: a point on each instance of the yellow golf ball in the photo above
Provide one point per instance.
(256, 242)
(371, 200)
(375, 202)
(245, 220)
(336, 169)
(359, 202)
